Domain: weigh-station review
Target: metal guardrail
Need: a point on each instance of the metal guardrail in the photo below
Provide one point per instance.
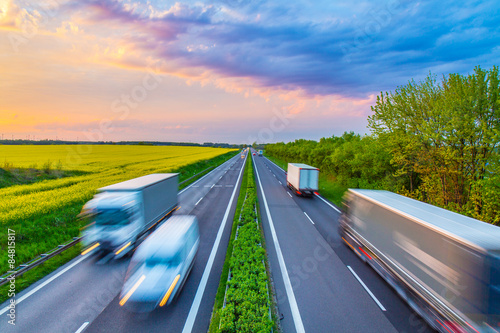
(21, 269)
(196, 175)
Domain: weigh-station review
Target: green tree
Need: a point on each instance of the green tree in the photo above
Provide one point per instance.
(443, 136)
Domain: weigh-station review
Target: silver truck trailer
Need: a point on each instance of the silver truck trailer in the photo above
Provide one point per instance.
(121, 213)
(302, 178)
(446, 265)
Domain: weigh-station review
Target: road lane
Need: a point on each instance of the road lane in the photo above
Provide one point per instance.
(329, 298)
(84, 291)
(210, 212)
(325, 215)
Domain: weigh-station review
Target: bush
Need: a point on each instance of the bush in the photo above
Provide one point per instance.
(247, 297)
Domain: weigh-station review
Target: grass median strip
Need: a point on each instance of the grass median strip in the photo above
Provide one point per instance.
(243, 300)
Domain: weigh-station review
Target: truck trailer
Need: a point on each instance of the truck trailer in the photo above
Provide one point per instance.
(302, 179)
(445, 265)
(120, 214)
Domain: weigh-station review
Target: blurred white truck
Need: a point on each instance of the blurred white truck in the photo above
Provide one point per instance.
(302, 179)
(120, 214)
(161, 264)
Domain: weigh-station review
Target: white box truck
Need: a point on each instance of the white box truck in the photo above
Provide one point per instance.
(120, 214)
(302, 179)
(161, 265)
(446, 265)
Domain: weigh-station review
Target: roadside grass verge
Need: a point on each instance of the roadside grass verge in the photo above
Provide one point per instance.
(328, 187)
(58, 227)
(206, 166)
(244, 284)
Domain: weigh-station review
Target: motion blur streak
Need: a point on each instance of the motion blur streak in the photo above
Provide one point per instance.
(90, 249)
(440, 323)
(123, 248)
(167, 295)
(365, 253)
(352, 247)
(474, 328)
(136, 285)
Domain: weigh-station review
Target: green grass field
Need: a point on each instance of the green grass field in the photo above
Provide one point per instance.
(43, 211)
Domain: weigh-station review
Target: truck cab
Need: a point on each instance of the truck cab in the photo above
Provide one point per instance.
(120, 214)
(114, 221)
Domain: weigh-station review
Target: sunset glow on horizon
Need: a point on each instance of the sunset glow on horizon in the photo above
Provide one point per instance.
(234, 71)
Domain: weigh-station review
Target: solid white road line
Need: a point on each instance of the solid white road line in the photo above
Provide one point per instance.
(193, 312)
(276, 165)
(289, 194)
(299, 326)
(329, 204)
(366, 288)
(197, 202)
(25, 296)
(308, 217)
(80, 330)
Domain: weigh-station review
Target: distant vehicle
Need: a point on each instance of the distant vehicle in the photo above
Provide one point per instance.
(253, 154)
(445, 265)
(161, 264)
(121, 213)
(260, 152)
(302, 179)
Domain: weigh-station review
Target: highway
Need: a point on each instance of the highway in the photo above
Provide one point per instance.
(82, 296)
(320, 284)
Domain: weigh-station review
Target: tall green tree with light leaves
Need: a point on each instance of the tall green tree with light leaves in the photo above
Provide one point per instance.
(444, 137)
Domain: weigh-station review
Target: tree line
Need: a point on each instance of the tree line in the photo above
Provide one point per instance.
(435, 141)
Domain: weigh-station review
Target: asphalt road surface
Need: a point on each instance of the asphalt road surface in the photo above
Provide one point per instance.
(321, 285)
(82, 296)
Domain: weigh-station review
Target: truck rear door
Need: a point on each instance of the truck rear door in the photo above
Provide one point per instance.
(304, 179)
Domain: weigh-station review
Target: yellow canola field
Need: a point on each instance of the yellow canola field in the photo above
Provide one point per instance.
(43, 213)
(105, 164)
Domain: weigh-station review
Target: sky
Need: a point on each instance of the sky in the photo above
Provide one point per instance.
(233, 71)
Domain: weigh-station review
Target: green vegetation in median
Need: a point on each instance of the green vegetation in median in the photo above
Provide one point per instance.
(246, 291)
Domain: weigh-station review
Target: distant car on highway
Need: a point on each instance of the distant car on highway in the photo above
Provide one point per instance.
(161, 265)
(253, 154)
